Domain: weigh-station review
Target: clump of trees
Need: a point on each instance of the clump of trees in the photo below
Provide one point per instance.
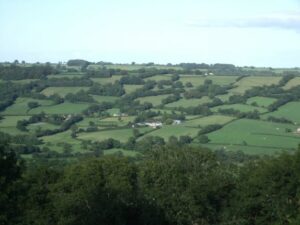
(207, 89)
(14, 72)
(80, 96)
(109, 89)
(172, 185)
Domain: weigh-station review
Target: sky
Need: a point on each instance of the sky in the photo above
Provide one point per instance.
(244, 33)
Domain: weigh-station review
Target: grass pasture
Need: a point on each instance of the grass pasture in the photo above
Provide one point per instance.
(240, 107)
(197, 80)
(253, 81)
(155, 100)
(20, 106)
(225, 97)
(100, 98)
(109, 121)
(119, 134)
(41, 126)
(173, 130)
(8, 124)
(66, 75)
(188, 102)
(120, 151)
(140, 66)
(255, 133)
(129, 88)
(290, 111)
(106, 80)
(261, 101)
(52, 141)
(24, 81)
(159, 77)
(292, 83)
(63, 108)
(208, 120)
(248, 149)
(62, 91)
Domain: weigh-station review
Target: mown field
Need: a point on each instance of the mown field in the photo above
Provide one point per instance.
(266, 136)
(254, 81)
(188, 102)
(240, 107)
(261, 101)
(289, 111)
(62, 91)
(196, 80)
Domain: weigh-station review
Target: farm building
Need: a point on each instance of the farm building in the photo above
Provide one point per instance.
(298, 130)
(154, 124)
(176, 122)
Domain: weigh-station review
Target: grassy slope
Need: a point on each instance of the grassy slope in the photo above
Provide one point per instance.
(256, 133)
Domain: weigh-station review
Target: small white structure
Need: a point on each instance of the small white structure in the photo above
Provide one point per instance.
(176, 122)
(298, 130)
(120, 115)
(154, 124)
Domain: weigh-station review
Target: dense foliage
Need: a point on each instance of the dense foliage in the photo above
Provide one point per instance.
(170, 185)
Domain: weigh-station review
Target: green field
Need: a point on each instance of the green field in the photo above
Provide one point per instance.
(41, 126)
(62, 91)
(248, 149)
(106, 80)
(100, 98)
(159, 77)
(253, 81)
(119, 134)
(140, 66)
(208, 120)
(113, 111)
(63, 137)
(129, 88)
(66, 75)
(63, 108)
(289, 111)
(188, 102)
(197, 80)
(8, 124)
(20, 106)
(24, 81)
(292, 83)
(120, 121)
(255, 133)
(240, 107)
(261, 101)
(155, 100)
(85, 122)
(174, 130)
(225, 97)
(122, 151)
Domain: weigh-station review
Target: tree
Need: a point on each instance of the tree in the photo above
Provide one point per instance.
(32, 105)
(189, 186)
(203, 139)
(10, 173)
(136, 133)
(97, 191)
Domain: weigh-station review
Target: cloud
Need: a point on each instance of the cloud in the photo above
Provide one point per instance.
(286, 20)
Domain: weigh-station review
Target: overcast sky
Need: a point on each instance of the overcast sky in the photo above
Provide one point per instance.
(259, 33)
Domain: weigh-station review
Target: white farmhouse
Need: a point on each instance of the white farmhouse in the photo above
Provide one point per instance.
(154, 124)
(176, 122)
